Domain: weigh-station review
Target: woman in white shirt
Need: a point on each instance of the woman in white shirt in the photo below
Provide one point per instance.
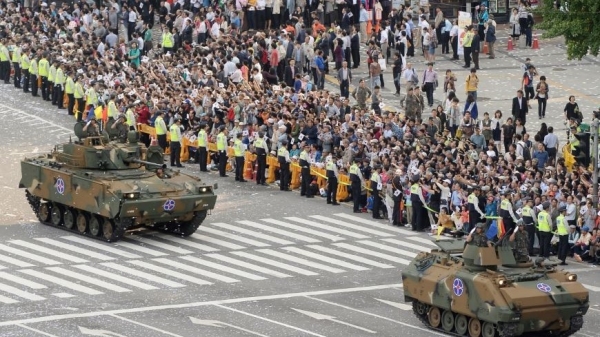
(514, 24)
(426, 43)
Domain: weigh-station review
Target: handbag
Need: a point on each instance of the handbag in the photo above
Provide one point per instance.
(382, 63)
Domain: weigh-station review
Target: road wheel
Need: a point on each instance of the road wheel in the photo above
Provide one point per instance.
(488, 330)
(474, 327)
(82, 222)
(56, 215)
(69, 219)
(95, 228)
(43, 212)
(435, 317)
(107, 230)
(420, 308)
(461, 324)
(447, 320)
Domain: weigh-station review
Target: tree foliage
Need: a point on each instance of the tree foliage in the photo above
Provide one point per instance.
(577, 21)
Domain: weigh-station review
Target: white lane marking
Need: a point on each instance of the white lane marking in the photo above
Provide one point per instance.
(592, 288)
(352, 226)
(320, 317)
(115, 277)
(18, 263)
(7, 300)
(298, 237)
(63, 295)
(48, 251)
(88, 279)
(274, 263)
(269, 320)
(194, 270)
(401, 306)
(104, 247)
(231, 236)
(22, 281)
(139, 248)
(374, 224)
(253, 233)
(304, 229)
(351, 257)
(324, 258)
(247, 265)
(61, 282)
(219, 324)
(28, 255)
(162, 245)
(217, 242)
(150, 327)
(35, 330)
(20, 293)
(189, 243)
(222, 268)
(298, 260)
(38, 118)
(170, 272)
(372, 253)
(143, 275)
(76, 249)
(388, 248)
(404, 244)
(329, 228)
(422, 240)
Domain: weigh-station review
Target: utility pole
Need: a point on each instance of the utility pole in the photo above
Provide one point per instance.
(594, 130)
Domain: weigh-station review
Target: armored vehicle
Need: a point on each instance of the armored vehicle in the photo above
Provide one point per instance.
(481, 291)
(100, 188)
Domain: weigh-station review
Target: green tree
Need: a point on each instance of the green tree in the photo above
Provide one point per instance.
(577, 21)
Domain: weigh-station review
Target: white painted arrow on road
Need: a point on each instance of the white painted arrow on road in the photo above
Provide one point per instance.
(99, 333)
(321, 317)
(219, 324)
(400, 306)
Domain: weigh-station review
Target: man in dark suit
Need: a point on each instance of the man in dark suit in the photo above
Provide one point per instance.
(344, 76)
(519, 107)
(290, 73)
(475, 48)
(345, 24)
(355, 48)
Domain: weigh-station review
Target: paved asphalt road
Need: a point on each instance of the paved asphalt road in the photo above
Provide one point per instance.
(265, 263)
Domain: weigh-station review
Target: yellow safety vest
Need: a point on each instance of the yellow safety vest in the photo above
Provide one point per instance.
(330, 166)
(60, 77)
(543, 225)
(112, 109)
(414, 189)
(472, 199)
(25, 62)
(561, 225)
(375, 177)
(16, 56)
(258, 142)
(174, 134)
(43, 67)
(52, 73)
(130, 117)
(3, 53)
(238, 148)
(33, 67)
(526, 211)
(91, 97)
(69, 86)
(158, 126)
(201, 138)
(354, 169)
(304, 156)
(281, 152)
(78, 92)
(221, 142)
(167, 41)
(468, 39)
(504, 205)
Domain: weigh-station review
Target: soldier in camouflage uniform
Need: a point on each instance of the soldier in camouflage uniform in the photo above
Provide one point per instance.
(478, 238)
(414, 103)
(361, 94)
(521, 239)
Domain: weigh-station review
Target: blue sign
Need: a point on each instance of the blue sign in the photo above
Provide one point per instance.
(544, 287)
(458, 287)
(169, 205)
(60, 186)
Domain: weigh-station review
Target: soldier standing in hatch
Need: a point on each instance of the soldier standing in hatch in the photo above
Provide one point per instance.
(238, 150)
(478, 238)
(521, 239)
(283, 157)
(91, 128)
(175, 147)
(121, 127)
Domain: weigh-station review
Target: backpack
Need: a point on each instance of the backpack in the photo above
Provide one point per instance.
(526, 152)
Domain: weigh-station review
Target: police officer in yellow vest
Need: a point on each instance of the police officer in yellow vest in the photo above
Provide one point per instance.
(562, 230)
(175, 148)
(529, 217)
(59, 86)
(332, 180)
(304, 161)
(91, 95)
(167, 40)
(261, 148)
(506, 212)
(44, 71)
(113, 111)
(161, 129)
(238, 151)
(545, 230)
(16, 61)
(283, 157)
(131, 120)
(419, 219)
(78, 94)
(33, 74)
(25, 63)
(4, 62)
(222, 149)
(70, 90)
(356, 180)
(51, 79)
(376, 188)
(202, 144)
(475, 213)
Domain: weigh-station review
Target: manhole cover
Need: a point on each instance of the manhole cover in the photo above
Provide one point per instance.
(559, 69)
(482, 98)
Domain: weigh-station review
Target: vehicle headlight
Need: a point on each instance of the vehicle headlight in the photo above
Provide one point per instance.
(204, 189)
(572, 277)
(502, 283)
(131, 195)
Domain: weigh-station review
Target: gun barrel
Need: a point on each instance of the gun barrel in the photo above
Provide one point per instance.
(149, 163)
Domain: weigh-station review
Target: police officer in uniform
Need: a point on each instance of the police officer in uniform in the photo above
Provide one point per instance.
(59, 82)
(43, 71)
(238, 151)
(33, 74)
(304, 162)
(16, 61)
(332, 181)
(25, 69)
(545, 230)
(202, 143)
(418, 201)
(356, 179)
(283, 157)
(475, 213)
(397, 198)
(562, 229)
(521, 239)
(376, 188)
(261, 148)
(159, 126)
(78, 96)
(506, 212)
(478, 238)
(70, 91)
(51, 80)
(175, 148)
(222, 148)
(4, 62)
(529, 218)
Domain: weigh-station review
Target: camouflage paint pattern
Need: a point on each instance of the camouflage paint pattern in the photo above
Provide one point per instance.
(476, 284)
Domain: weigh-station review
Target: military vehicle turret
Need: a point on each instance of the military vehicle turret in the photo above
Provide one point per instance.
(100, 188)
(471, 291)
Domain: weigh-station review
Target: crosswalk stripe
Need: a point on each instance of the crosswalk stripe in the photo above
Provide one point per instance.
(115, 277)
(329, 228)
(79, 250)
(169, 272)
(355, 227)
(61, 282)
(18, 263)
(7, 300)
(234, 237)
(404, 244)
(223, 268)
(22, 281)
(305, 262)
(278, 231)
(324, 258)
(253, 233)
(144, 275)
(88, 279)
(388, 248)
(189, 243)
(194, 270)
(217, 242)
(48, 251)
(28, 255)
(139, 248)
(103, 247)
(592, 288)
(351, 256)
(277, 264)
(372, 253)
(162, 245)
(247, 265)
(20, 293)
(304, 229)
(422, 240)
(375, 224)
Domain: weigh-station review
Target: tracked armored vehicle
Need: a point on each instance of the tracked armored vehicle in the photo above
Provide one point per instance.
(100, 188)
(481, 291)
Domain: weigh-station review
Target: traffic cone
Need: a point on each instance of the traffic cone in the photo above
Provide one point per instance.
(536, 43)
(510, 44)
(486, 49)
